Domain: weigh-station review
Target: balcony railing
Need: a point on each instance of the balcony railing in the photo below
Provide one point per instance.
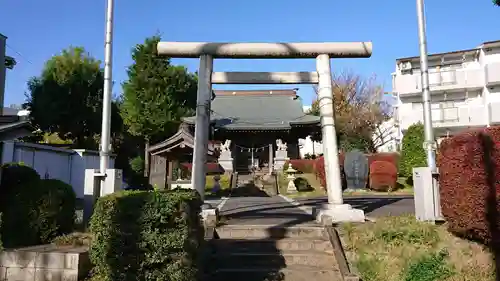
(493, 74)
(447, 117)
(439, 81)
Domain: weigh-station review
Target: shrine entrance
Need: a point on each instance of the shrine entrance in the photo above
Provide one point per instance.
(322, 52)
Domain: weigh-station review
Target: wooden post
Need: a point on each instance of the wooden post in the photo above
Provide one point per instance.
(146, 159)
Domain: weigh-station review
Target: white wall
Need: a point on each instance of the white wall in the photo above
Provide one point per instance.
(308, 146)
(387, 137)
(67, 165)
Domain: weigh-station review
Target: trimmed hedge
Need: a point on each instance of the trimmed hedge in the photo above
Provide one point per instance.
(56, 206)
(383, 176)
(301, 165)
(34, 211)
(320, 173)
(413, 153)
(392, 157)
(146, 235)
(469, 166)
(320, 170)
(212, 168)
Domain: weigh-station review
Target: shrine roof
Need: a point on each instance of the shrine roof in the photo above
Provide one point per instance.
(258, 110)
(181, 139)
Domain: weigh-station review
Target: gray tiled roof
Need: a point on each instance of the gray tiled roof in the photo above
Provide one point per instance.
(257, 112)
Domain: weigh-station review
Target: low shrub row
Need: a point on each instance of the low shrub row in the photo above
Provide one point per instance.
(382, 175)
(146, 235)
(34, 211)
(469, 166)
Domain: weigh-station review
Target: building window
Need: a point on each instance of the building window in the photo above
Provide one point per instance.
(447, 104)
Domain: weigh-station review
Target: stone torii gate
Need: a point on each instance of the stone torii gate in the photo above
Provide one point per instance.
(335, 210)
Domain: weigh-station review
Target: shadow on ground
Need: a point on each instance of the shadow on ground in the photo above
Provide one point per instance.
(373, 205)
(262, 260)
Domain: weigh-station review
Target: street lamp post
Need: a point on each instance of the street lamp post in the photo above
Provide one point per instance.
(429, 144)
(108, 84)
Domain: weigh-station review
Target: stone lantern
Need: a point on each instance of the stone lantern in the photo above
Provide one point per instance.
(291, 177)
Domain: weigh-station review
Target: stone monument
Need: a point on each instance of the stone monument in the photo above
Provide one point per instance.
(356, 170)
(281, 155)
(225, 157)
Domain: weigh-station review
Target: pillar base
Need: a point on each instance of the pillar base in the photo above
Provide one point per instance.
(329, 214)
(210, 217)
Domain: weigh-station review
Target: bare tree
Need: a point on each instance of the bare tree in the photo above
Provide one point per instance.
(359, 109)
(381, 136)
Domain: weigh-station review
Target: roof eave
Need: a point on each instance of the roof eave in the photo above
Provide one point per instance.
(432, 56)
(15, 130)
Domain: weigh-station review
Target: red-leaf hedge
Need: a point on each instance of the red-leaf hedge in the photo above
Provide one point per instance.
(319, 168)
(383, 176)
(469, 167)
(392, 157)
(303, 165)
(212, 168)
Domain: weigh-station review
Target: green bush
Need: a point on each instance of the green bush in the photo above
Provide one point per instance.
(34, 211)
(413, 153)
(56, 209)
(146, 235)
(302, 184)
(14, 175)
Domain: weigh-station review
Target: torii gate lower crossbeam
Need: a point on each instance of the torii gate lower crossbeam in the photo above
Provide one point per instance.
(335, 210)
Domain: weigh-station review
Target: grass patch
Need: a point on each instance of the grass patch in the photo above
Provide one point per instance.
(225, 185)
(400, 248)
(314, 190)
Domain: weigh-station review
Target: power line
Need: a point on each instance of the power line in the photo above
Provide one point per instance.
(19, 54)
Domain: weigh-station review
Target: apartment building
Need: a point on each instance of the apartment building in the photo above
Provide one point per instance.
(464, 86)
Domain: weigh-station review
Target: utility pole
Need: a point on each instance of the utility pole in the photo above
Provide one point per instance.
(3, 70)
(429, 144)
(108, 86)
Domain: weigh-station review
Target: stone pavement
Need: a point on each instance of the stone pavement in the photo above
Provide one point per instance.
(262, 210)
(214, 201)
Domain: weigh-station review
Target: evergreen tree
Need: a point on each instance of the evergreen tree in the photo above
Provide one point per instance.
(157, 94)
(413, 153)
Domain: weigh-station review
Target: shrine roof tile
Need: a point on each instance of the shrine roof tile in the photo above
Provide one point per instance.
(258, 112)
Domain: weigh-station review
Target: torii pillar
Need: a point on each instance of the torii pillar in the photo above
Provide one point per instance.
(335, 210)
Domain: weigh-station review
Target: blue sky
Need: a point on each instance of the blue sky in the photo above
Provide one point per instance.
(37, 30)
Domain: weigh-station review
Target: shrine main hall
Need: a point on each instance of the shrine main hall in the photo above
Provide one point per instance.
(251, 130)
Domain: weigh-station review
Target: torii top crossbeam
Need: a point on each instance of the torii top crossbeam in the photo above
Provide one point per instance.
(265, 50)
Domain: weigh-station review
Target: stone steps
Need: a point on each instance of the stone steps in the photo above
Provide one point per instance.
(262, 252)
(295, 273)
(264, 245)
(263, 232)
(315, 259)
